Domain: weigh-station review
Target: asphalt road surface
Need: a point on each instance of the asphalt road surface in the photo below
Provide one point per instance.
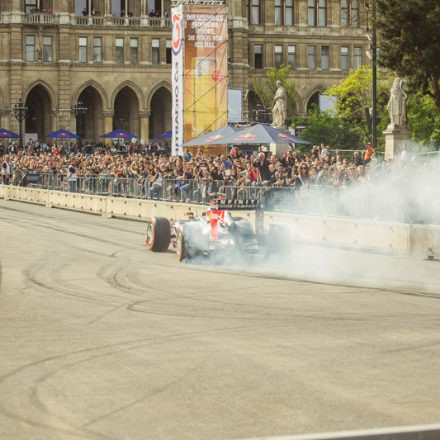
(100, 339)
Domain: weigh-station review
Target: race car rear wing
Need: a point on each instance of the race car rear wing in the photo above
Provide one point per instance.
(236, 205)
(243, 205)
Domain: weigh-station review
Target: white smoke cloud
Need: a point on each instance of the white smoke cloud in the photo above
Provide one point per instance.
(408, 192)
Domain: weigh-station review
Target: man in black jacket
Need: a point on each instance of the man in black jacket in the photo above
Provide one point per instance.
(263, 167)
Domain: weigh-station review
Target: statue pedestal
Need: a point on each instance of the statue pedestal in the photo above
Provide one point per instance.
(395, 139)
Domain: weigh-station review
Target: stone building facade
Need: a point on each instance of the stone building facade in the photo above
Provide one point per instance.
(114, 57)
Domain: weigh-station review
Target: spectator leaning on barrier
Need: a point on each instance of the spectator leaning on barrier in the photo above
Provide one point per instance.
(72, 178)
(6, 171)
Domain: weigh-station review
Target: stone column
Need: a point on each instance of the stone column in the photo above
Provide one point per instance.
(56, 119)
(302, 13)
(144, 125)
(107, 117)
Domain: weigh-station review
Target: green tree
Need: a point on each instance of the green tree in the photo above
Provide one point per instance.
(409, 41)
(424, 120)
(353, 95)
(330, 129)
(265, 88)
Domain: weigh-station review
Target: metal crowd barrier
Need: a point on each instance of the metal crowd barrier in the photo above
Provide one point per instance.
(363, 202)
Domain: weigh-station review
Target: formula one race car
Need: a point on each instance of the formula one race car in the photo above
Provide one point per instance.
(216, 231)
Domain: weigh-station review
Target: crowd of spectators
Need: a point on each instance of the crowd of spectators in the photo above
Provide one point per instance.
(320, 167)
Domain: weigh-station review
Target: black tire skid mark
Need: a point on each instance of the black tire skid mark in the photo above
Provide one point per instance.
(64, 218)
(32, 279)
(120, 277)
(66, 231)
(224, 314)
(230, 271)
(105, 297)
(124, 348)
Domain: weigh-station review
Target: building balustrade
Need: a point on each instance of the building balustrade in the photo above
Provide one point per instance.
(40, 18)
(88, 20)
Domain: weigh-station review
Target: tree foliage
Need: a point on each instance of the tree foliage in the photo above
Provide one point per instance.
(265, 88)
(424, 120)
(353, 95)
(409, 41)
(330, 129)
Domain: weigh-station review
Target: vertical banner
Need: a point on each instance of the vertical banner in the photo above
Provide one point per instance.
(200, 71)
(177, 47)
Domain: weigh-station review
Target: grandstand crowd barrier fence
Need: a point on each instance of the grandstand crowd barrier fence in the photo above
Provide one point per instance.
(361, 201)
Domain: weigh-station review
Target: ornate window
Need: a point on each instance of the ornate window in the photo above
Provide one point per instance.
(284, 12)
(357, 57)
(258, 56)
(168, 52)
(97, 49)
(47, 49)
(278, 55)
(30, 48)
(325, 57)
(350, 13)
(82, 49)
(155, 51)
(291, 56)
(311, 57)
(119, 46)
(30, 6)
(344, 58)
(317, 13)
(255, 12)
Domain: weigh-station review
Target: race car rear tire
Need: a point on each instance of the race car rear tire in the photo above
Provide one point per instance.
(158, 234)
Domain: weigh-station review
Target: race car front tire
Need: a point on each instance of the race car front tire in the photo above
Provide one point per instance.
(158, 234)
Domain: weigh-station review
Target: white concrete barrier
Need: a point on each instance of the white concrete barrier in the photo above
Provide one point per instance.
(425, 240)
(384, 237)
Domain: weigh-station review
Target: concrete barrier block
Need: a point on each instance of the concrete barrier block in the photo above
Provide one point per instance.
(334, 231)
(425, 240)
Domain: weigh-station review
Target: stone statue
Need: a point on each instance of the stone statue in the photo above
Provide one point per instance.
(397, 104)
(279, 111)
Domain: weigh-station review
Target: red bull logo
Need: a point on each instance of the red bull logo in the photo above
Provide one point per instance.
(177, 33)
(284, 136)
(246, 136)
(217, 75)
(216, 137)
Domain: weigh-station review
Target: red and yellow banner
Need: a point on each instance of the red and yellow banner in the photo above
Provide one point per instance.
(200, 71)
